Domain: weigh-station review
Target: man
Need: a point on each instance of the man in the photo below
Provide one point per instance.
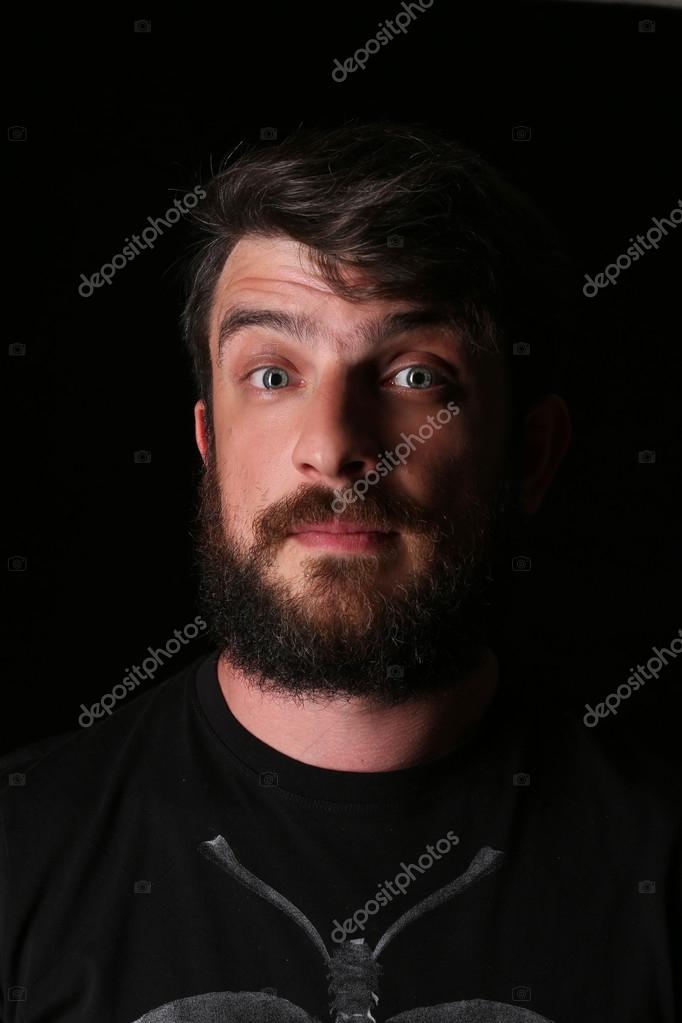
(350, 807)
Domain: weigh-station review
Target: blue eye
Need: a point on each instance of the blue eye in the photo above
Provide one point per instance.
(274, 378)
(419, 377)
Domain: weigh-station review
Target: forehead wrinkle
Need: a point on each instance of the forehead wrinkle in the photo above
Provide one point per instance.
(308, 331)
(302, 326)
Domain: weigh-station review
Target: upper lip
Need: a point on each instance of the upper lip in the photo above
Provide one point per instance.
(334, 526)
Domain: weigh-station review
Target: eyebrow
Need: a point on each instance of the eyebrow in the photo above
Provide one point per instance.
(308, 331)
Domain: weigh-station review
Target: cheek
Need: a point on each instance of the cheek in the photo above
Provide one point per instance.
(461, 462)
(253, 473)
(482, 442)
(439, 469)
(451, 481)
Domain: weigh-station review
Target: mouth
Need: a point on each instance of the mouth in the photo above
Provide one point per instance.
(343, 536)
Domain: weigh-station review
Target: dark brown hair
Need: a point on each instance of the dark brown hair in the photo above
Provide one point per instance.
(427, 219)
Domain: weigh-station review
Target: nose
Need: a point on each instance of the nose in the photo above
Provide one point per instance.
(339, 436)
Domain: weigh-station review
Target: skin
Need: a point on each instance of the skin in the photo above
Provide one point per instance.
(346, 402)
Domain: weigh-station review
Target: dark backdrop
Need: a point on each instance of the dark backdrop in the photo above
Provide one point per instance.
(118, 123)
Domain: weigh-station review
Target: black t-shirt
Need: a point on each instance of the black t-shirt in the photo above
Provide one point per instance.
(165, 865)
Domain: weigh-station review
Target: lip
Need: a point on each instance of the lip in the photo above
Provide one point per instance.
(343, 536)
(335, 527)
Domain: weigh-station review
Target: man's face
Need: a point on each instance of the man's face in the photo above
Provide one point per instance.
(306, 402)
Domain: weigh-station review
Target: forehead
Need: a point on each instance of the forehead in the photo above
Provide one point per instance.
(276, 273)
(270, 264)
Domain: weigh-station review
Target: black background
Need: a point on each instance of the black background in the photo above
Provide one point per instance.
(120, 123)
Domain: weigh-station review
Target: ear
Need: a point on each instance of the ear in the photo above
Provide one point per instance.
(545, 439)
(201, 429)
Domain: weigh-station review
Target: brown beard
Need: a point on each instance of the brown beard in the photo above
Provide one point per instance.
(342, 636)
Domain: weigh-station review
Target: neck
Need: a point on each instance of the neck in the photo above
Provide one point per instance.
(358, 734)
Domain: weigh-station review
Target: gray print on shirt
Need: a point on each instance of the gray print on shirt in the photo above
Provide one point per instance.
(352, 968)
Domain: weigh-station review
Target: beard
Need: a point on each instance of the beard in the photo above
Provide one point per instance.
(335, 632)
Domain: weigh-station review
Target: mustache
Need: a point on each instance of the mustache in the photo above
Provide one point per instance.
(381, 510)
(312, 506)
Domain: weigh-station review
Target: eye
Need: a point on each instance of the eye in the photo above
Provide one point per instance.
(274, 378)
(418, 377)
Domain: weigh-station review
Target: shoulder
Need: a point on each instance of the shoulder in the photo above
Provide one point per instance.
(74, 769)
(628, 764)
(15, 763)
(615, 778)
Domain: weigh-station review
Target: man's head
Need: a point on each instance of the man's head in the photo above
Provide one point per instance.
(352, 317)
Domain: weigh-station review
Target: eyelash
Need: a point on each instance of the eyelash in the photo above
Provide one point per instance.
(416, 365)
